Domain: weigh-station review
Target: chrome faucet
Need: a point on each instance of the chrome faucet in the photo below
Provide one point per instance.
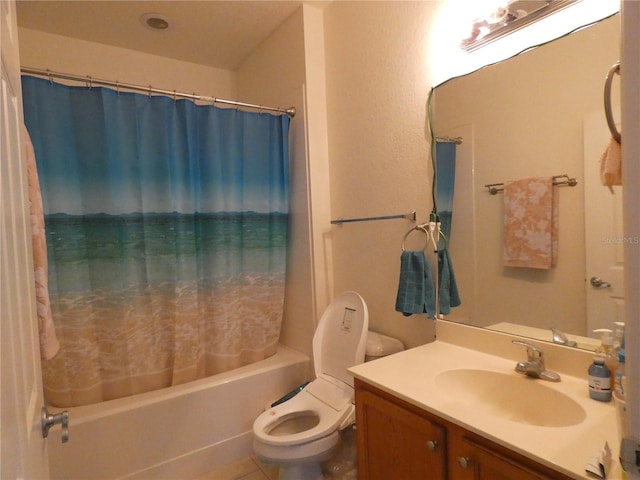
(534, 366)
(561, 339)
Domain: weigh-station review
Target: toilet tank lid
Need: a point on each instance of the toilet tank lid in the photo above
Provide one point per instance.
(379, 345)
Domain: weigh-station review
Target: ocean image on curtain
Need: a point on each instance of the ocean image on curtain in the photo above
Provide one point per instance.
(448, 294)
(445, 183)
(166, 231)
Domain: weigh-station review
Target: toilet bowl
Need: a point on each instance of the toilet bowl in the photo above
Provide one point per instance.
(302, 432)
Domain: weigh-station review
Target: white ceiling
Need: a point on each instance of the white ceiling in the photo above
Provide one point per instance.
(215, 33)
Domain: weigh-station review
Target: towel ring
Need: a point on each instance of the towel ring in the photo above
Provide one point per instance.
(416, 228)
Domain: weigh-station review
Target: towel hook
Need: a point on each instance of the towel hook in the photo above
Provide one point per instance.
(607, 102)
(434, 228)
(440, 234)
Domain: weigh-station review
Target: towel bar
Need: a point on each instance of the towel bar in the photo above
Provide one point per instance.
(409, 216)
(559, 180)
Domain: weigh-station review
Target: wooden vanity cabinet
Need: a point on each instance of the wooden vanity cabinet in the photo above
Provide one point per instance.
(399, 441)
(396, 440)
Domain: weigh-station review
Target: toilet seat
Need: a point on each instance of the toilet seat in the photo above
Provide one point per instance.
(315, 451)
(330, 418)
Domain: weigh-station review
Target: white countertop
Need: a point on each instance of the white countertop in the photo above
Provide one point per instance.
(411, 376)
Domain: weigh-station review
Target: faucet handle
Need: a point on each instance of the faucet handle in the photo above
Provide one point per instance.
(534, 366)
(533, 352)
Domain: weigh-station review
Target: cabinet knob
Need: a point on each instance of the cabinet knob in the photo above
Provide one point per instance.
(432, 445)
(464, 462)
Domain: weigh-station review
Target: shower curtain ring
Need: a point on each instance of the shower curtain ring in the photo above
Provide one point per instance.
(90, 83)
(50, 76)
(149, 91)
(117, 87)
(174, 96)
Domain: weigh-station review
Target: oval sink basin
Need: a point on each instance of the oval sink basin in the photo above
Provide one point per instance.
(512, 397)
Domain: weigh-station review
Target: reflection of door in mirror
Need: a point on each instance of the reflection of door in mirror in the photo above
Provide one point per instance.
(524, 117)
(604, 239)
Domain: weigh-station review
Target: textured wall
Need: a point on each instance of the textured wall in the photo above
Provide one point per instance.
(377, 87)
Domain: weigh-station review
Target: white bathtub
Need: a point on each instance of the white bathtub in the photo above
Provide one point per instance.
(176, 433)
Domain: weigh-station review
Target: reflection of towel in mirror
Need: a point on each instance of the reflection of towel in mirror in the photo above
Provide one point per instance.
(416, 292)
(611, 165)
(530, 223)
(448, 295)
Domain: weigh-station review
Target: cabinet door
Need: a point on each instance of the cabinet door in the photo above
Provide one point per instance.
(477, 460)
(396, 443)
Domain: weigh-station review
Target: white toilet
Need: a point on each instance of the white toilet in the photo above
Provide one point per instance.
(302, 432)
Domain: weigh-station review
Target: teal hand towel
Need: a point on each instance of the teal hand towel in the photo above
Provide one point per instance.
(448, 288)
(416, 292)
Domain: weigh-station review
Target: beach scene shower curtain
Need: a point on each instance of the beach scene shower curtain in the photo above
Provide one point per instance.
(166, 227)
(448, 294)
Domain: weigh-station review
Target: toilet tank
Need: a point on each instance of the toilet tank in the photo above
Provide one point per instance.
(379, 345)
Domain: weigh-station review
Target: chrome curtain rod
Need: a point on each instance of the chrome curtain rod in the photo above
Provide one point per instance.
(409, 216)
(90, 81)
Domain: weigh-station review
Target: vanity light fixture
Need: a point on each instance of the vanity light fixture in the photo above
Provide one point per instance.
(155, 21)
(509, 17)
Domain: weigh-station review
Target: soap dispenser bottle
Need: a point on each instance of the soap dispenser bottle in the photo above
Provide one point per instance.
(606, 350)
(620, 376)
(620, 379)
(599, 380)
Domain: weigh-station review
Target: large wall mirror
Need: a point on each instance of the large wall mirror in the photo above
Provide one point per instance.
(540, 113)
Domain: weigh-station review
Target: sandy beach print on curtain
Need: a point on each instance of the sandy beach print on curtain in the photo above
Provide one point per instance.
(166, 231)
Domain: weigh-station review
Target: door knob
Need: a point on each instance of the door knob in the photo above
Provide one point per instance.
(597, 282)
(49, 421)
(432, 445)
(464, 462)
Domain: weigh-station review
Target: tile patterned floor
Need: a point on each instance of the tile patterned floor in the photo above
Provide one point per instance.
(249, 468)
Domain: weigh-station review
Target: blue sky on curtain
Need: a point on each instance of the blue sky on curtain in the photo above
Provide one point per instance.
(166, 231)
(448, 295)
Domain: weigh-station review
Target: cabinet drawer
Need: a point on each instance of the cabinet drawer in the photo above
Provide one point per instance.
(474, 458)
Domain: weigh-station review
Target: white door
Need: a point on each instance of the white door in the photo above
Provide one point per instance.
(23, 452)
(604, 236)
